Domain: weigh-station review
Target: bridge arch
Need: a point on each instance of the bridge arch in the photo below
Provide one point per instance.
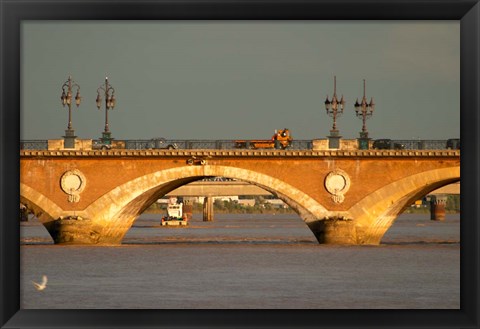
(117, 210)
(375, 214)
(44, 208)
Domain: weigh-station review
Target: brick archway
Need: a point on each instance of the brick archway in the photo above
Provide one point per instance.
(385, 204)
(44, 209)
(117, 210)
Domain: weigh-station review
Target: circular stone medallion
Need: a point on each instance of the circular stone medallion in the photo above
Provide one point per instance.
(337, 183)
(72, 183)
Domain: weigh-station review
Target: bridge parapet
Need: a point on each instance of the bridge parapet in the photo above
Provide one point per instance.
(241, 153)
(230, 144)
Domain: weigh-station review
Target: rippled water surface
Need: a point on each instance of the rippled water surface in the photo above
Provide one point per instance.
(246, 261)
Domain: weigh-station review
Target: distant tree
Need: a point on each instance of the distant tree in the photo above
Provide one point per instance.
(259, 199)
(453, 203)
(218, 204)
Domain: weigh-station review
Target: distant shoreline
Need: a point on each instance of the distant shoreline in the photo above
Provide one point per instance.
(226, 211)
(283, 211)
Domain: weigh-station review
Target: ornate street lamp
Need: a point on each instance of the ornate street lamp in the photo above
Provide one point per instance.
(67, 88)
(334, 109)
(364, 111)
(109, 93)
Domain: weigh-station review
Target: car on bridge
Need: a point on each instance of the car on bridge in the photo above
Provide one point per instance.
(387, 144)
(100, 145)
(160, 143)
(280, 140)
(453, 144)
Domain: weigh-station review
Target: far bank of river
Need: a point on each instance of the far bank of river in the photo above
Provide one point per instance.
(269, 210)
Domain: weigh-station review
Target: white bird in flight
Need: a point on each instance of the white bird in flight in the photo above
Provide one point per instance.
(41, 286)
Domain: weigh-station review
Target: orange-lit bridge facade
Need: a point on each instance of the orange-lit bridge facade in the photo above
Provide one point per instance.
(344, 197)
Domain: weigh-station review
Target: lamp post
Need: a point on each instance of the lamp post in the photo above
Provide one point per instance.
(334, 109)
(109, 93)
(364, 111)
(67, 88)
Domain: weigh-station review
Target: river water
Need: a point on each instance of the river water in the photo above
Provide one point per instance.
(248, 262)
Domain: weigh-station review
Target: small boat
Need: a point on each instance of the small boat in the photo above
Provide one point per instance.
(175, 216)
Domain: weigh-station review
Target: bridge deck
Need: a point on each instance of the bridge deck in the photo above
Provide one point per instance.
(242, 153)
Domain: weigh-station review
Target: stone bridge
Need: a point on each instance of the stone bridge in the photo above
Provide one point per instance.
(344, 197)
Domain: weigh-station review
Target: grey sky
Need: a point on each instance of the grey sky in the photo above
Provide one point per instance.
(228, 80)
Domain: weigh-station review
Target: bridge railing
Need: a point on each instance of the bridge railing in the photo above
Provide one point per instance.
(301, 145)
(182, 144)
(144, 144)
(424, 144)
(204, 144)
(34, 144)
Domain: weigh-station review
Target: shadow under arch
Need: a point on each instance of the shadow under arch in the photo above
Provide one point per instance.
(44, 209)
(375, 214)
(117, 210)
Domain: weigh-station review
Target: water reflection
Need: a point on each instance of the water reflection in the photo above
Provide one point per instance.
(246, 262)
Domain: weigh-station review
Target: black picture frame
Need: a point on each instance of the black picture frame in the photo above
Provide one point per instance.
(13, 12)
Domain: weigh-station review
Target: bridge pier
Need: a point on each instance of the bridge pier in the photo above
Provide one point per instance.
(72, 231)
(334, 231)
(75, 230)
(208, 209)
(437, 207)
(346, 231)
(188, 207)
